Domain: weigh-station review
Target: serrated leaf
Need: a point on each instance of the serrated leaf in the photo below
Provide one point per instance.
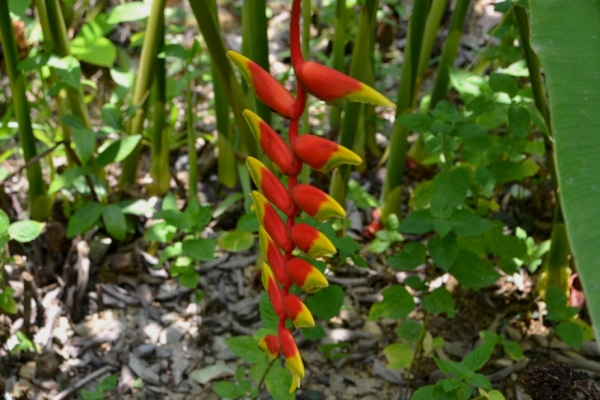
(571, 333)
(278, 382)
(454, 184)
(327, 302)
(200, 249)
(226, 390)
(416, 122)
(519, 120)
(397, 303)
(507, 171)
(409, 330)
(412, 255)
(246, 348)
(465, 223)
(267, 315)
(473, 272)
(248, 223)
(443, 251)
(399, 356)
(420, 221)
(439, 301)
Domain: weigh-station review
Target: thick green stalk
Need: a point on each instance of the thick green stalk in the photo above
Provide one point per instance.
(361, 52)
(143, 84)
(191, 141)
(60, 42)
(339, 47)
(209, 29)
(159, 168)
(304, 122)
(391, 196)
(258, 45)
(555, 270)
(39, 203)
(442, 79)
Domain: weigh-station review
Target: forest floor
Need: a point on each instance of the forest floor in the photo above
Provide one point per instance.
(134, 321)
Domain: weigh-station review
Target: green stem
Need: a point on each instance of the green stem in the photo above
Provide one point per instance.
(60, 41)
(432, 25)
(143, 84)
(210, 31)
(391, 196)
(339, 47)
(258, 45)
(191, 141)
(361, 52)
(159, 169)
(304, 122)
(39, 203)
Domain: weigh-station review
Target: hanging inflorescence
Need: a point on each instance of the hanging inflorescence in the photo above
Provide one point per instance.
(281, 271)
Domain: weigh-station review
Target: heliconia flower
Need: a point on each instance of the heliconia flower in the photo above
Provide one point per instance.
(293, 360)
(268, 89)
(297, 311)
(310, 241)
(270, 346)
(270, 220)
(295, 382)
(305, 275)
(334, 87)
(272, 289)
(270, 186)
(272, 253)
(273, 145)
(322, 154)
(317, 203)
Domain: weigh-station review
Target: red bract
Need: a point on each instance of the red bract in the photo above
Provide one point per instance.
(320, 154)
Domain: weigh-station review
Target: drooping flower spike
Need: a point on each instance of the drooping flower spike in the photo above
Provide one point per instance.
(305, 275)
(268, 89)
(273, 254)
(317, 203)
(334, 87)
(273, 145)
(322, 154)
(281, 271)
(311, 242)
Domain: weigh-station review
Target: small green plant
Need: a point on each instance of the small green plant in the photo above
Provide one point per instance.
(569, 329)
(101, 391)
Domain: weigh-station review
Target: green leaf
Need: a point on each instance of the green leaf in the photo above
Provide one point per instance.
(235, 240)
(346, 246)
(504, 83)
(67, 178)
(397, 303)
(572, 89)
(195, 217)
(25, 231)
(248, 223)
(477, 358)
(507, 171)
(327, 302)
(454, 184)
(189, 280)
(200, 249)
(4, 222)
(136, 207)
(315, 333)
(108, 383)
(399, 356)
(85, 143)
(226, 390)
(465, 223)
(409, 330)
(513, 350)
(7, 303)
(18, 7)
(519, 120)
(128, 12)
(449, 366)
(424, 393)
(278, 382)
(84, 219)
(111, 115)
(507, 246)
(473, 272)
(246, 348)
(68, 70)
(267, 315)
(439, 301)
(421, 196)
(443, 251)
(571, 333)
(412, 255)
(94, 50)
(416, 122)
(117, 150)
(420, 221)
(114, 221)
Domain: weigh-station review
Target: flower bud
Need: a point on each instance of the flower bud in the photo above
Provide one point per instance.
(322, 154)
(305, 275)
(317, 203)
(270, 186)
(310, 241)
(297, 311)
(272, 288)
(268, 218)
(293, 360)
(270, 346)
(272, 253)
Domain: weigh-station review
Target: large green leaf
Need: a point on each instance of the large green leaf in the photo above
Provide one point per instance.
(566, 36)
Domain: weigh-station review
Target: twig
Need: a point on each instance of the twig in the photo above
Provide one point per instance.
(264, 376)
(31, 161)
(79, 384)
(415, 361)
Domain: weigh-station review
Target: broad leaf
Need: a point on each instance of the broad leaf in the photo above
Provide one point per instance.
(85, 218)
(25, 231)
(569, 52)
(397, 303)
